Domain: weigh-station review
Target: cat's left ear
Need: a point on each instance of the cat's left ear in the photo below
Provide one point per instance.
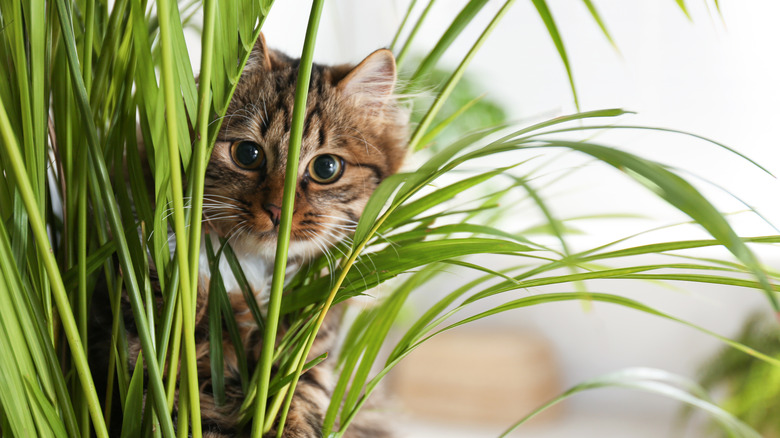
(261, 56)
(371, 82)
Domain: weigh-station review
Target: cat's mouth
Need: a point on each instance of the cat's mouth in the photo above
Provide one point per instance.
(255, 233)
(305, 243)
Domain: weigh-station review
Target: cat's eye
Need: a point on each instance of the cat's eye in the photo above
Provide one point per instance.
(325, 169)
(247, 155)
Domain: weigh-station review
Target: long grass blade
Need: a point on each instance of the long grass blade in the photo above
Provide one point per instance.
(552, 29)
(597, 17)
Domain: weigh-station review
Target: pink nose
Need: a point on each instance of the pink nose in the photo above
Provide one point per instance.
(274, 212)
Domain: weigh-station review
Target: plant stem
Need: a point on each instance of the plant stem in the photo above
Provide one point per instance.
(187, 292)
(285, 225)
(200, 158)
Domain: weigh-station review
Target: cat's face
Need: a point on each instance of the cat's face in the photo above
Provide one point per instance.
(354, 136)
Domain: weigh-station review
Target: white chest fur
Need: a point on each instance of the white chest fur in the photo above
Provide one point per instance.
(258, 271)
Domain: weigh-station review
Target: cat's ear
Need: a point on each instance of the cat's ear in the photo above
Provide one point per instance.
(371, 82)
(261, 56)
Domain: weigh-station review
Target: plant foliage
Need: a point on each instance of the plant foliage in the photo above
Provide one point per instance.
(83, 83)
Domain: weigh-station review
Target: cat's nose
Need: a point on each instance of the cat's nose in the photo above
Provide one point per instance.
(274, 212)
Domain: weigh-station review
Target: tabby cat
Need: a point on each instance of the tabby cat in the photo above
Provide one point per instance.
(354, 136)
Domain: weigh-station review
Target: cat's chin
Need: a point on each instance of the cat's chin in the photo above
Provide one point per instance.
(264, 248)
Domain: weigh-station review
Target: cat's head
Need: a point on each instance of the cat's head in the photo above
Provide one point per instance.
(354, 136)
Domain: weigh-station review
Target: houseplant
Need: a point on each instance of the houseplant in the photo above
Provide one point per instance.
(77, 80)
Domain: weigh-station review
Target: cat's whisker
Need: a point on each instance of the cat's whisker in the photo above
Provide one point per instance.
(343, 233)
(214, 195)
(338, 238)
(355, 266)
(337, 247)
(221, 219)
(215, 211)
(347, 227)
(324, 254)
(230, 234)
(229, 118)
(367, 256)
(216, 120)
(243, 230)
(339, 226)
(363, 139)
(347, 221)
(347, 232)
(322, 247)
(216, 202)
(345, 238)
(256, 111)
(223, 215)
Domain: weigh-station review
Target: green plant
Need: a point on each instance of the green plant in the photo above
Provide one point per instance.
(77, 80)
(752, 393)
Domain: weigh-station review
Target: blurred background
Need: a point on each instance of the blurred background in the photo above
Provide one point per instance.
(712, 75)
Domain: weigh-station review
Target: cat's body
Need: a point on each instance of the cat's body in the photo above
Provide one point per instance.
(354, 136)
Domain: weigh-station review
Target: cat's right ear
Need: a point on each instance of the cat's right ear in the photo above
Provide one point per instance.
(372, 81)
(260, 58)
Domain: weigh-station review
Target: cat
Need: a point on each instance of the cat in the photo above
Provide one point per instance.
(354, 136)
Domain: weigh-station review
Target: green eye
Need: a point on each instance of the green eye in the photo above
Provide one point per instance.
(247, 155)
(326, 168)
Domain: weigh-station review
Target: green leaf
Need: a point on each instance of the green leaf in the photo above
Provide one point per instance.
(681, 4)
(376, 203)
(53, 420)
(280, 383)
(658, 382)
(597, 17)
(436, 130)
(679, 193)
(453, 31)
(215, 337)
(607, 298)
(422, 127)
(421, 233)
(403, 23)
(405, 212)
(243, 284)
(390, 262)
(132, 410)
(96, 259)
(97, 159)
(222, 301)
(552, 29)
